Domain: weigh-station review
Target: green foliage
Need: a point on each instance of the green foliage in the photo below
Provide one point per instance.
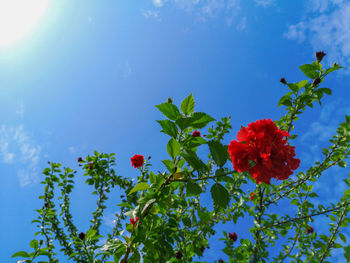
(171, 223)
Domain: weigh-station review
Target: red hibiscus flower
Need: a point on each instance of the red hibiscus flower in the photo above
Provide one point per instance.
(133, 222)
(137, 160)
(262, 150)
(196, 134)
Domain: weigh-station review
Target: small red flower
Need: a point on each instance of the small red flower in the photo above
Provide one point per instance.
(133, 222)
(91, 165)
(252, 196)
(309, 230)
(233, 236)
(196, 134)
(137, 160)
(262, 150)
(80, 159)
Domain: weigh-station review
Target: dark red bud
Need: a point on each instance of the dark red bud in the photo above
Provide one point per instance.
(233, 236)
(80, 159)
(283, 81)
(320, 55)
(202, 249)
(178, 255)
(316, 81)
(221, 261)
(82, 236)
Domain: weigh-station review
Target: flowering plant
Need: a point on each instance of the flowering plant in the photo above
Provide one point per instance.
(165, 217)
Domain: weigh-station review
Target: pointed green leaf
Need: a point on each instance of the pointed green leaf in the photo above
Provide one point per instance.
(173, 148)
(220, 195)
(193, 188)
(200, 120)
(310, 71)
(169, 110)
(187, 105)
(218, 152)
(168, 127)
(22, 254)
(139, 187)
(89, 234)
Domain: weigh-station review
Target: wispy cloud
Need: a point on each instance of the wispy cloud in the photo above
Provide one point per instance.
(151, 14)
(264, 3)
(17, 147)
(326, 27)
(203, 10)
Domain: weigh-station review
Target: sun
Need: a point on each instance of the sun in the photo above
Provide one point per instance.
(18, 18)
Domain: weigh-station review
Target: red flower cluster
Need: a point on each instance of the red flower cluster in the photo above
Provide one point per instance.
(196, 134)
(133, 222)
(91, 165)
(252, 195)
(137, 160)
(262, 150)
(309, 230)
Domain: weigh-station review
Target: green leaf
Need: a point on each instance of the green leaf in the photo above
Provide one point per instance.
(335, 67)
(347, 253)
(220, 195)
(326, 91)
(91, 233)
(168, 127)
(139, 187)
(169, 110)
(309, 70)
(34, 243)
(218, 152)
(169, 165)
(22, 254)
(200, 120)
(193, 160)
(173, 148)
(285, 100)
(193, 188)
(187, 105)
(342, 237)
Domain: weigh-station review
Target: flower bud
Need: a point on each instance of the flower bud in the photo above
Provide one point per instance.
(82, 235)
(169, 100)
(178, 255)
(283, 81)
(309, 230)
(221, 261)
(202, 249)
(80, 159)
(320, 55)
(316, 81)
(233, 236)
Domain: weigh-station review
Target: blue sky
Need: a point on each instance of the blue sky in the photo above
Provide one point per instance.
(88, 75)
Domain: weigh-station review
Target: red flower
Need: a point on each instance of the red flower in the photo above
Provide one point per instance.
(262, 150)
(309, 230)
(196, 134)
(320, 55)
(252, 195)
(90, 165)
(137, 160)
(233, 236)
(133, 222)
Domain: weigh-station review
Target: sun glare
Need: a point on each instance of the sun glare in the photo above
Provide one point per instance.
(18, 18)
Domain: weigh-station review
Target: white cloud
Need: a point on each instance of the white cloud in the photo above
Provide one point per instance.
(264, 3)
(242, 24)
(327, 29)
(151, 14)
(18, 148)
(202, 10)
(110, 219)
